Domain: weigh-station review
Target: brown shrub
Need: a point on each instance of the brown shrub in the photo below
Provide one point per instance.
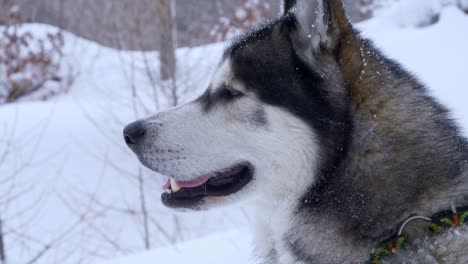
(28, 64)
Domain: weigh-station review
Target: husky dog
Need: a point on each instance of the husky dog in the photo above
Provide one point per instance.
(336, 144)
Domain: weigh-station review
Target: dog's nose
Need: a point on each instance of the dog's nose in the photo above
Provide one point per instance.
(134, 133)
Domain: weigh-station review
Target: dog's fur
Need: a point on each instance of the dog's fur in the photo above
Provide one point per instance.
(345, 144)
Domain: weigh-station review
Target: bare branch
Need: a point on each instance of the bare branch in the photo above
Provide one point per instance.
(144, 210)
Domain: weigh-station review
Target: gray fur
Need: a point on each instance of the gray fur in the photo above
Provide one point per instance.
(405, 157)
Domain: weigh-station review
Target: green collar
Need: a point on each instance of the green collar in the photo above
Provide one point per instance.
(436, 224)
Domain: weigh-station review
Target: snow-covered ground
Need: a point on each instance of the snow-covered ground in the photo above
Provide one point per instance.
(75, 184)
(232, 247)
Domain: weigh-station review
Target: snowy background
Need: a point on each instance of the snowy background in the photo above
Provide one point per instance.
(71, 191)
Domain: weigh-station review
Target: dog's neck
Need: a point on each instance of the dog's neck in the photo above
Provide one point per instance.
(403, 156)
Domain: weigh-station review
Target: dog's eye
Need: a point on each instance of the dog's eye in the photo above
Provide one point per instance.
(233, 92)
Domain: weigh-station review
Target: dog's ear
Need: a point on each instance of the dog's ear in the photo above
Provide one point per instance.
(315, 26)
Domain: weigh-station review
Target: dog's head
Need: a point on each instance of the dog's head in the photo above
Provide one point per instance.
(272, 109)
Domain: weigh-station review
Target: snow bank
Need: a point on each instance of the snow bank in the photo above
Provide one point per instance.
(413, 13)
(228, 248)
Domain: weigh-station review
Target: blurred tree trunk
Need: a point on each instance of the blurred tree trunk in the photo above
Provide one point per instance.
(61, 15)
(165, 10)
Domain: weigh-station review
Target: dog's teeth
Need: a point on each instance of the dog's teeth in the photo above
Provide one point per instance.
(174, 186)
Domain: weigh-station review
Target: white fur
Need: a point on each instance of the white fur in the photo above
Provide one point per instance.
(291, 176)
(201, 142)
(282, 153)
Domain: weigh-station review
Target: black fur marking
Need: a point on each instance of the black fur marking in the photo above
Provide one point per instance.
(205, 100)
(224, 95)
(259, 33)
(259, 118)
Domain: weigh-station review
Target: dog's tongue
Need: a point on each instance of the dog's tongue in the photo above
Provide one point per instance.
(194, 183)
(188, 184)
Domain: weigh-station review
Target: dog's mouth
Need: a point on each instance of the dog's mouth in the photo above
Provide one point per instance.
(217, 184)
